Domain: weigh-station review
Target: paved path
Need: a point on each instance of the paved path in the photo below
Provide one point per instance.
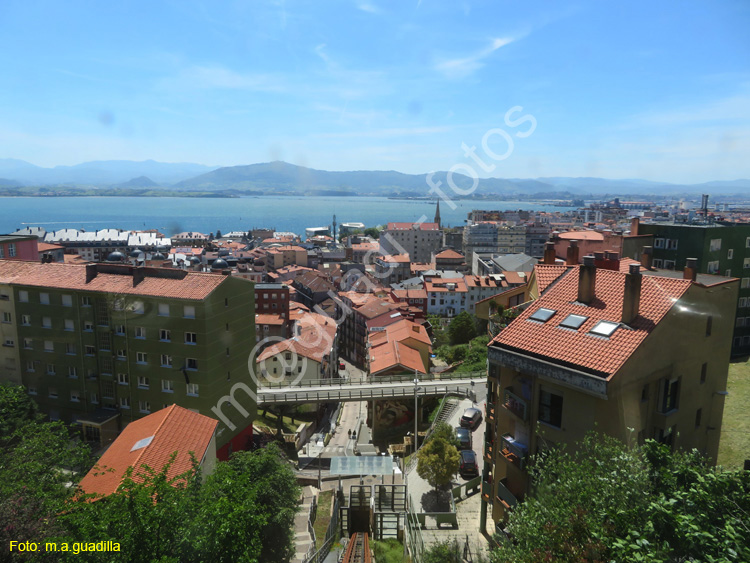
(302, 539)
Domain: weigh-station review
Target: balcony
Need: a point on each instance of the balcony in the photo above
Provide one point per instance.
(489, 452)
(490, 411)
(513, 451)
(507, 498)
(515, 404)
(487, 491)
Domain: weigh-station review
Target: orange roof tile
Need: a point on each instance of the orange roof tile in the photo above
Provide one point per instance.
(578, 348)
(174, 429)
(415, 226)
(194, 285)
(546, 274)
(45, 246)
(315, 337)
(449, 254)
(268, 319)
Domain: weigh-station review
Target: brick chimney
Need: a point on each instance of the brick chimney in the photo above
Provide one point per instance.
(631, 299)
(691, 269)
(612, 260)
(91, 272)
(647, 255)
(139, 274)
(587, 280)
(571, 258)
(549, 253)
(635, 222)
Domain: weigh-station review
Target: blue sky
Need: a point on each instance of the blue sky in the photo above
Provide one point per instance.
(655, 90)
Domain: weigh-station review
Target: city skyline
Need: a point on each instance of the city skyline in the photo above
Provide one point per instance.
(636, 92)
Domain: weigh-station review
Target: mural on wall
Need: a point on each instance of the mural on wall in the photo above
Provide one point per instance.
(392, 414)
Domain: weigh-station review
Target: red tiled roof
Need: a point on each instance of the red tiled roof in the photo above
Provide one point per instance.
(416, 226)
(316, 335)
(582, 235)
(449, 254)
(194, 285)
(395, 258)
(578, 348)
(174, 429)
(441, 284)
(546, 274)
(45, 246)
(516, 278)
(268, 319)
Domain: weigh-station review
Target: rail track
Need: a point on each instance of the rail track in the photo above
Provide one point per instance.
(358, 550)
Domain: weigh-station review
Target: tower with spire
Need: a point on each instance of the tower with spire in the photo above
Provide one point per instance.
(334, 227)
(437, 215)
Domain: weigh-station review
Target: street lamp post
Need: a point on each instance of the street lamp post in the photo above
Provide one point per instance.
(416, 420)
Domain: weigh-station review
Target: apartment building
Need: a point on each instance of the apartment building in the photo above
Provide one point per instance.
(446, 297)
(511, 239)
(10, 363)
(719, 248)
(279, 256)
(105, 344)
(19, 247)
(418, 240)
(605, 350)
(480, 237)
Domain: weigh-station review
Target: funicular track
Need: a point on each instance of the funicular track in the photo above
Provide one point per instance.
(358, 550)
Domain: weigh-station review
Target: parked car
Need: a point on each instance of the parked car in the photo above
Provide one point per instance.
(471, 418)
(468, 468)
(464, 438)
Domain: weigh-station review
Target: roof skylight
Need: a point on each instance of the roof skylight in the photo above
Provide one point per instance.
(573, 321)
(543, 315)
(604, 328)
(142, 443)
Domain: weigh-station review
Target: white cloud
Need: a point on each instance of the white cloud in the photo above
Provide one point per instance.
(370, 8)
(462, 67)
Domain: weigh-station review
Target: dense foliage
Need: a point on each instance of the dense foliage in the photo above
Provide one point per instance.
(437, 460)
(462, 328)
(611, 502)
(473, 355)
(242, 511)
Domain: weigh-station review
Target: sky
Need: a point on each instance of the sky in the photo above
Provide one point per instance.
(639, 89)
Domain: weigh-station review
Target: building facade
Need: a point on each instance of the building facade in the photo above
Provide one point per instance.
(418, 240)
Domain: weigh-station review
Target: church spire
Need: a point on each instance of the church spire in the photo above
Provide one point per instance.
(437, 215)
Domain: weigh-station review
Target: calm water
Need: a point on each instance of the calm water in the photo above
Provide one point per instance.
(175, 214)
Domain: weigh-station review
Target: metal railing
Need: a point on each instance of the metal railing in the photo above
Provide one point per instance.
(376, 379)
(332, 534)
(365, 394)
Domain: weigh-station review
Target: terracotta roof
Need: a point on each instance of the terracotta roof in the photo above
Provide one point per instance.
(441, 285)
(173, 429)
(73, 276)
(546, 274)
(409, 293)
(45, 246)
(582, 235)
(578, 348)
(395, 258)
(516, 278)
(421, 267)
(365, 246)
(402, 329)
(269, 319)
(449, 254)
(415, 226)
(315, 337)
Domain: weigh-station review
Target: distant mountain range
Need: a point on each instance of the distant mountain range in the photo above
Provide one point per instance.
(288, 179)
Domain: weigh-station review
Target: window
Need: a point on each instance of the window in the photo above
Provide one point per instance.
(167, 385)
(67, 300)
(141, 357)
(192, 389)
(88, 326)
(11, 250)
(46, 322)
(747, 242)
(120, 330)
(140, 332)
(122, 355)
(32, 390)
(226, 302)
(542, 315)
(49, 346)
(191, 338)
(163, 310)
(740, 322)
(669, 395)
(550, 408)
(86, 301)
(72, 372)
(713, 267)
(672, 244)
(644, 393)
(70, 349)
(746, 263)
(709, 324)
(728, 273)
(23, 296)
(742, 303)
(124, 402)
(191, 364)
(138, 307)
(6, 317)
(69, 325)
(658, 263)
(573, 321)
(142, 382)
(9, 342)
(52, 392)
(94, 398)
(665, 436)
(669, 264)
(165, 335)
(108, 390)
(26, 320)
(166, 361)
(698, 418)
(730, 254)
(745, 283)
(604, 328)
(123, 379)
(188, 312)
(44, 298)
(714, 245)
(89, 350)
(28, 343)
(659, 243)
(144, 406)
(50, 369)
(30, 366)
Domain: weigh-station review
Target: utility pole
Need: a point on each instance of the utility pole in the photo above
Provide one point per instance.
(416, 419)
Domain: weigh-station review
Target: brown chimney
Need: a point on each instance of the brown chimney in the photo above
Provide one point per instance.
(139, 274)
(631, 300)
(586, 280)
(635, 222)
(647, 255)
(549, 253)
(572, 256)
(691, 269)
(91, 272)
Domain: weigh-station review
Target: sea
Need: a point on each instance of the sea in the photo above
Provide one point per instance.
(172, 215)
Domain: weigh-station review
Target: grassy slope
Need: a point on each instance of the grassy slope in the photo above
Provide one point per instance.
(734, 447)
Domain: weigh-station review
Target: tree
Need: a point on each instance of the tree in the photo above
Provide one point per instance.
(611, 502)
(372, 232)
(437, 461)
(218, 233)
(16, 408)
(449, 551)
(462, 328)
